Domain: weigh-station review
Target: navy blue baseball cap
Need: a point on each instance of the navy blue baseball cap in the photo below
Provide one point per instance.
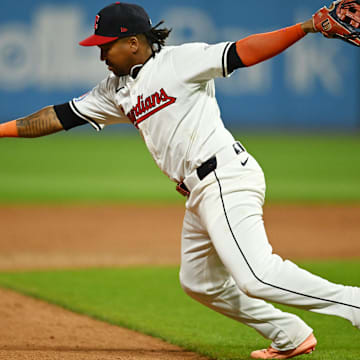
(116, 21)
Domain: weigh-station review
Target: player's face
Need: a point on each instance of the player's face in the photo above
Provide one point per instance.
(118, 56)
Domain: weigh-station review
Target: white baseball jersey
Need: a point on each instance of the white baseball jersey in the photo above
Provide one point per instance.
(172, 103)
(227, 261)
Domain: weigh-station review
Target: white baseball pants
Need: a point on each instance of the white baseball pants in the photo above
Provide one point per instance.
(227, 262)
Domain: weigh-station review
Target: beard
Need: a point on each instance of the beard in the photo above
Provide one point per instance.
(115, 70)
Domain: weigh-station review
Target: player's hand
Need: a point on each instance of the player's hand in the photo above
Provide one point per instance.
(340, 21)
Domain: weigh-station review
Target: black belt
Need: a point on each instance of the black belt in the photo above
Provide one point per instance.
(202, 171)
(206, 168)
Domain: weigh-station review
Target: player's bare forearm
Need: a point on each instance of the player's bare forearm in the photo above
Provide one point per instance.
(41, 123)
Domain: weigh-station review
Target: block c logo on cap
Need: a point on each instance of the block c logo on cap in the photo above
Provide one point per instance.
(96, 25)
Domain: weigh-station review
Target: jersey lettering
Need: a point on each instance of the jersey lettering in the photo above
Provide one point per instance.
(144, 108)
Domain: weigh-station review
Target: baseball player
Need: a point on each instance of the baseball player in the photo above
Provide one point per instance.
(167, 93)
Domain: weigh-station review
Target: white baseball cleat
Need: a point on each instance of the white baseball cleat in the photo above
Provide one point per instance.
(307, 347)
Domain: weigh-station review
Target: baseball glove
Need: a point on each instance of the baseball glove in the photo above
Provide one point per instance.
(341, 21)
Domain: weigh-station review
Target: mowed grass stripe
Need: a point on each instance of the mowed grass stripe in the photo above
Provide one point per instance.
(151, 301)
(98, 168)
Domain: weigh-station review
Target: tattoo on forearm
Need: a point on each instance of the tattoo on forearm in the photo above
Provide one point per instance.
(41, 123)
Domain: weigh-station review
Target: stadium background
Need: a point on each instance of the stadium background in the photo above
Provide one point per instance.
(310, 87)
(97, 202)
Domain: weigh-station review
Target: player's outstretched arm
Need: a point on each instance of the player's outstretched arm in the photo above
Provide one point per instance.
(260, 47)
(43, 122)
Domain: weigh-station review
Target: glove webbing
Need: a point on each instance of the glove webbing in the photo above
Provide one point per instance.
(349, 6)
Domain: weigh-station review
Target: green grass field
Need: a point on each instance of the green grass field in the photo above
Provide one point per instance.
(117, 296)
(101, 168)
(77, 168)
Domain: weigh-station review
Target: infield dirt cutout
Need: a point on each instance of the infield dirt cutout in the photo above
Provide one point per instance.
(61, 237)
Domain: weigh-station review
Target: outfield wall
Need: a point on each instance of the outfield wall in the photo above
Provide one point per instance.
(315, 84)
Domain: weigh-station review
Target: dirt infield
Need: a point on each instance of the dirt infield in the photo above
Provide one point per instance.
(36, 330)
(60, 237)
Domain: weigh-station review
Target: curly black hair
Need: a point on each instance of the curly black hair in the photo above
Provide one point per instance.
(157, 36)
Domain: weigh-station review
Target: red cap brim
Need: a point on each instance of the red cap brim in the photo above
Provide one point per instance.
(94, 40)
